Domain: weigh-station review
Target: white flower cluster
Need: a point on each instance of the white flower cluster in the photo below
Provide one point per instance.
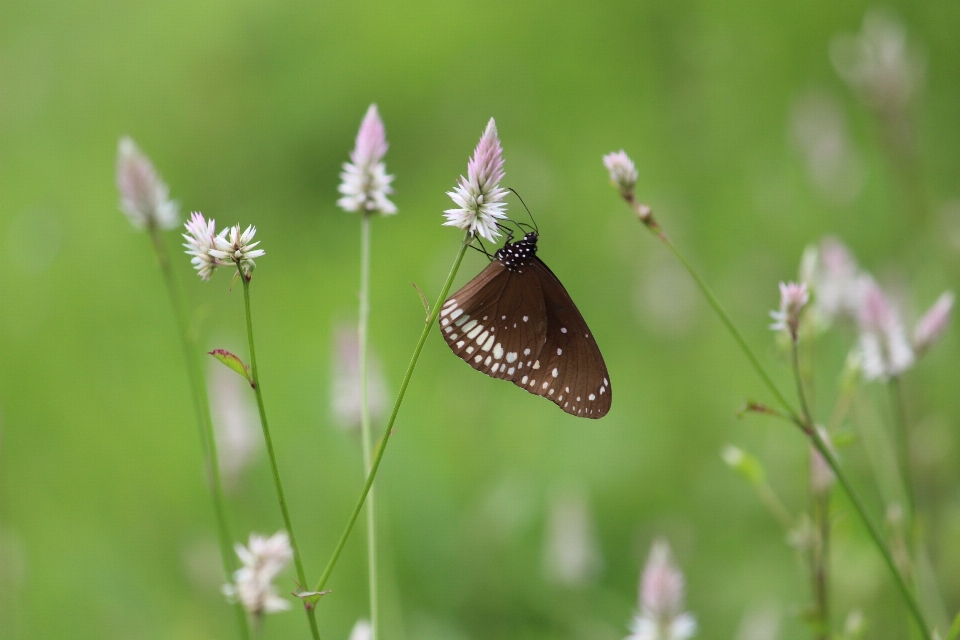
(365, 184)
(210, 250)
(252, 585)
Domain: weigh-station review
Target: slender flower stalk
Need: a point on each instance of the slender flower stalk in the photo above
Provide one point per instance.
(297, 559)
(144, 198)
(804, 423)
(365, 187)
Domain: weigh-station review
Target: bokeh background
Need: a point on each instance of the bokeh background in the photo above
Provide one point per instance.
(749, 146)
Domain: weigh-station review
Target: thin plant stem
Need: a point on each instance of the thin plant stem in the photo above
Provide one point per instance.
(382, 445)
(365, 419)
(806, 426)
(201, 407)
(903, 446)
(297, 560)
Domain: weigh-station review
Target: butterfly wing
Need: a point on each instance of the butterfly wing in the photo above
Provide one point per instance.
(571, 369)
(493, 319)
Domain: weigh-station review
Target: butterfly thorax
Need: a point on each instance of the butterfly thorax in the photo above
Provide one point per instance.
(517, 255)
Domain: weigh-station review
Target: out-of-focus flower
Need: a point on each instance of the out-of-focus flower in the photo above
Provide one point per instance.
(479, 196)
(262, 561)
(793, 298)
(200, 238)
(623, 173)
(760, 624)
(365, 184)
(362, 630)
(831, 273)
(934, 322)
(878, 63)
(883, 341)
(661, 600)
(143, 195)
(230, 245)
(819, 131)
(235, 422)
(571, 555)
(345, 374)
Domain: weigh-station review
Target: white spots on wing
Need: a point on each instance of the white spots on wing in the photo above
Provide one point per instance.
(591, 397)
(555, 372)
(460, 321)
(567, 389)
(456, 314)
(526, 352)
(503, 317)
(485, 317)
(498, 351)
(469, 349)
(588, 335)
(510, 371)
(606, 382)
(559, 398)
(520, 365)
(448, 329)
(478, 359)
(563, 329)
(470, 325)
(526, 318)
(450, 302)
(536, 365)
(551, 392)
(447, 310)
(444, 322)
(473, 332)
(545, 385)
(489, 344)
(578, 398)
(493, 369)
(514, 325)
(486, 362)
(453, 337)
(460, 345)
(483, 336)
(602, 389)
(565, 404)
(512, 356)
(533, 382)
(559, 351)
(524, 381)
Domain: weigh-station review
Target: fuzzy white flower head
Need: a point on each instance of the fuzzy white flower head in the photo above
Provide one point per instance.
(144, 197)
(479, 196)
(878, 63)
(884, 345)
(262, 561)
(200, 238)
(793, 298)
(365, 184)
(232, 246)
(661, 600)
(933, 323)
(623, 173)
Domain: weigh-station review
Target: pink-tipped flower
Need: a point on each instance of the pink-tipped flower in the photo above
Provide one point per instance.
(661, 600)
(623, 173)
(479, 196)
(232, 246)
(200, 237)
(144, 197)
(262, 561)
(933, 323)
(883, 341)
(878, 63)
(365, 184)
(793, 298)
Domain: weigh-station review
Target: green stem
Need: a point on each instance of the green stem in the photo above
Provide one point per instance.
(381, 447)
(728, 323)
(204, 423)
(805, 425)
(903, 447)
(365, 419)
(297, 560)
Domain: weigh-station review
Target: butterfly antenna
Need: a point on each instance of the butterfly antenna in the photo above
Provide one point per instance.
(535, 226)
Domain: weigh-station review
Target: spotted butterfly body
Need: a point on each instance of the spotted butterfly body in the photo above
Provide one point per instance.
(516, 322)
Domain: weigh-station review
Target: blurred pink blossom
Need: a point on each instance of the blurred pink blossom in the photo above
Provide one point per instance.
(661, 600)
(365, 184)
(934, 322)
(144, 197)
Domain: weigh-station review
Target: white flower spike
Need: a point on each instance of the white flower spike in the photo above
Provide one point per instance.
(252, 584)
(623, 173)
(793, 298)
(200, 238)
(479, 196)
(884, 345)
(365, 184)
(144, 197)
(661, 600)
(230, 245)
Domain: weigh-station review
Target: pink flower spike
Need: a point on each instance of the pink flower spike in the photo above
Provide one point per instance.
(661, 600)
(884, 345)
(934, 322)
(144, 197)
(793, 298)
(365, 184)
(479, 196)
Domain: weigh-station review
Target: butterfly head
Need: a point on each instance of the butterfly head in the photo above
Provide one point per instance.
(517, 255)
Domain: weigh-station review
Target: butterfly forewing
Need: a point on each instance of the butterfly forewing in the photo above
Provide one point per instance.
(515, 321)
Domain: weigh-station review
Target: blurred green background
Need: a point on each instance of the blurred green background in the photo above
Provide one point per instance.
(248, 110)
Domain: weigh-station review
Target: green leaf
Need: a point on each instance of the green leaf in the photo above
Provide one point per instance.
(745, 464)
(954, 628)
(233, 362)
